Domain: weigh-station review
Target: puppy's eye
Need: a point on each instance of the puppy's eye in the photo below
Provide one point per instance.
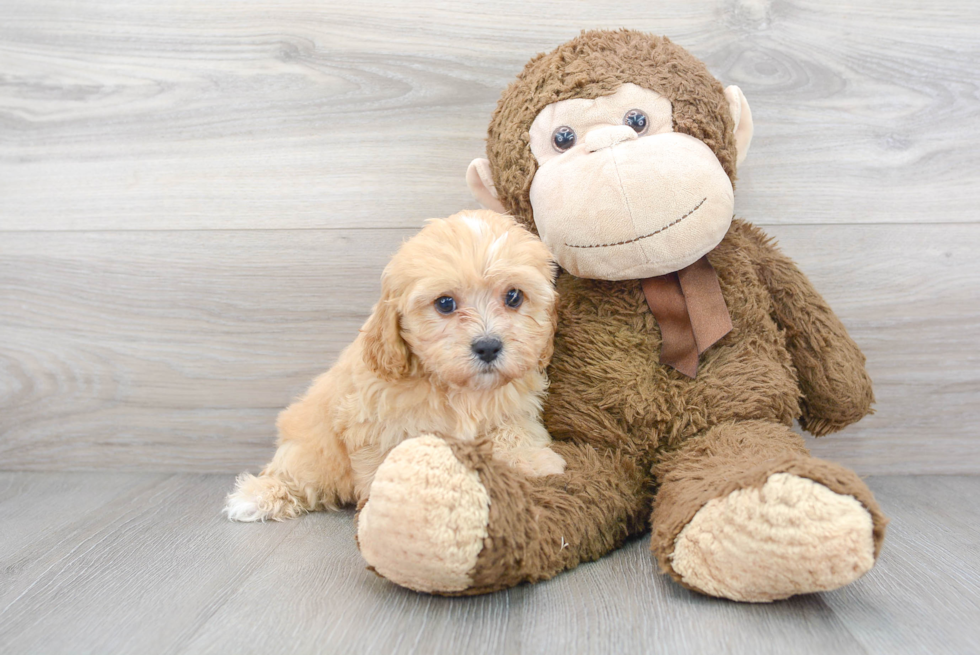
(514, 298)
(636, 119)
(445, 305)
(563, 138)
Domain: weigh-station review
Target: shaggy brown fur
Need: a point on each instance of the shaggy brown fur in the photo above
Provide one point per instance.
(621, 415)
(623, 422)
(603, 498)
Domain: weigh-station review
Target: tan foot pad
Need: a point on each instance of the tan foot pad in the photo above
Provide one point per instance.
(792, 536)
(426, 518)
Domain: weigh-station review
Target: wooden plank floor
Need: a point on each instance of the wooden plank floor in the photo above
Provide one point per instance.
(136, 563)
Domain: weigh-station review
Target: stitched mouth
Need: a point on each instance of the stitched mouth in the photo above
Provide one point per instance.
(645, 236)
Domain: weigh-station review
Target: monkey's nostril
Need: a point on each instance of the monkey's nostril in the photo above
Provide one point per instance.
(487, 348)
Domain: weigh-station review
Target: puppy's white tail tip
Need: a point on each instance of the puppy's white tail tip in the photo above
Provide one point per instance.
(243, 506)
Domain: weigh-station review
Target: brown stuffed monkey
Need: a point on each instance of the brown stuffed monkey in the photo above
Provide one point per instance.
(686, 346)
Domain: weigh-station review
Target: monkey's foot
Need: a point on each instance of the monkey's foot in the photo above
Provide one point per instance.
(426, 519)
(790, 536)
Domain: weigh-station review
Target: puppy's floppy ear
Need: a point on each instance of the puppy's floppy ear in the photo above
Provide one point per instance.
(549, 348)
(385, 352)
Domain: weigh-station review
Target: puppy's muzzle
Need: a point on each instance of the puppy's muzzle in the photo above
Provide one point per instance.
(487, 349)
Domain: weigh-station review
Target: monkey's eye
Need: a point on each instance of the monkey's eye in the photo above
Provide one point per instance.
(636, 119)
(445, 305)
(514, 298)
(563, 138)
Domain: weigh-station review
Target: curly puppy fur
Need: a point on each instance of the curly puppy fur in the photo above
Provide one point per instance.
(414, 370)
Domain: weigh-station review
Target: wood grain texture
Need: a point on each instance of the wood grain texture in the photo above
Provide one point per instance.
(196, 199)
(144, 571)
(172, 351)
(167, 115)
(158, 570)
(37, 509)
(930, 560)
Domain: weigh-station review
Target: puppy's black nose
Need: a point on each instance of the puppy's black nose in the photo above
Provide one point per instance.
(487, 348)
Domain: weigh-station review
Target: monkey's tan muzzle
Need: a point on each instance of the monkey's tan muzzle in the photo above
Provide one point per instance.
(620, 207)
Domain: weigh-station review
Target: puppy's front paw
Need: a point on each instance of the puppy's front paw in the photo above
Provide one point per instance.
(539, 462)
(260, 499)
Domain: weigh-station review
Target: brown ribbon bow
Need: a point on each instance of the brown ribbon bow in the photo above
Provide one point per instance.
(690, 311)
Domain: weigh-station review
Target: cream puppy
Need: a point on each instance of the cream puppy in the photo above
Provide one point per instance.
(456, 347)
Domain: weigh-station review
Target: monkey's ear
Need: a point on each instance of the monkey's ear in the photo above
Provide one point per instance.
(480, 181)
(385, 352)
(742, 116)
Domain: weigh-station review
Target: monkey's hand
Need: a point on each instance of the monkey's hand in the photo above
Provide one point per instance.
(835, 385)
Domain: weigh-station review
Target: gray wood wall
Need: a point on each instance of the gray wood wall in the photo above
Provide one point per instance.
(197, 199)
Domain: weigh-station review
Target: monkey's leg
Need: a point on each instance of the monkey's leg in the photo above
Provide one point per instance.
(744, 512)
(445, 517)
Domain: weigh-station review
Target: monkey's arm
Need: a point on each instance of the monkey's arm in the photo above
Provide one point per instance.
(446, 517)
(836, 387)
